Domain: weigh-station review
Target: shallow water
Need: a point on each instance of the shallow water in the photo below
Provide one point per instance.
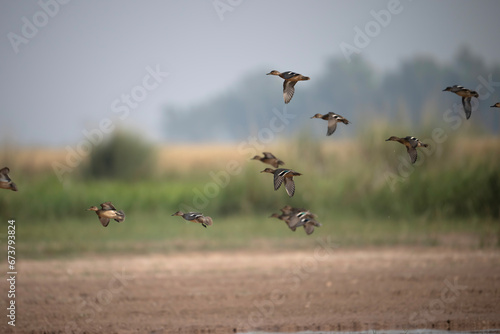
(415, 331)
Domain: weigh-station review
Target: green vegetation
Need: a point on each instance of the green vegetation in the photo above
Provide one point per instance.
(365, 193)
(122, 156)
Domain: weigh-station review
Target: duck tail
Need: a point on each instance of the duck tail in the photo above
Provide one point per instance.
(13, 186)
(121, 216)
(207, 221)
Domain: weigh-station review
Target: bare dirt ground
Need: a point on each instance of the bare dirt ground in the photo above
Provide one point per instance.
(326, 289)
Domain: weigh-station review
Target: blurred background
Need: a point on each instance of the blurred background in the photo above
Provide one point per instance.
(159, 106)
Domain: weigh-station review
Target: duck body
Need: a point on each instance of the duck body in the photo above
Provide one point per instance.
(270, 159)
(195, 217)
(332, 119)
(466, 95)
(108, 212)
(283, 175)
(411, 144)
(5, 180)
(291, 78)
(496, 105)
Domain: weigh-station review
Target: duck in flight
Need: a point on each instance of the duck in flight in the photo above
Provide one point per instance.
(291, 79)
(332, 119)
(283, 175)
(296, 217)
(411, 144)
(5, 180)
(108, 212)
(269, 158)
(466, 95)
(195, 217)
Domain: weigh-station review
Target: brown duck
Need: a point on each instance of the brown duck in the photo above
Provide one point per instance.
(195, 217)
(411, 144)
(108, 212)
(5, 181)
(291, 79)
(270, 159)
(283, 175)
(332, 119)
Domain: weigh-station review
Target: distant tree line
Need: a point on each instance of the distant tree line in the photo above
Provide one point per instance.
(356, 90)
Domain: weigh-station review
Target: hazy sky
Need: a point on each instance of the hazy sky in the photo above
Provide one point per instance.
(88, 61)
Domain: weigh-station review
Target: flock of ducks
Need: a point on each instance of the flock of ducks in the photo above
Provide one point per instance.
(296, 217)
(293, 217)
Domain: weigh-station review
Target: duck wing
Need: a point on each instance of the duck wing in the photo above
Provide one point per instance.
(332, 126)
(294, 221)
(107, 206)
(269, 155)
(192, 215)
(413, 153)
(288, 90)
(288, 75)
(279, 176)
(467, 106)
(309, 228)
(104, 221)
(412, 141)
(5, 170)
(289, 186)
(290, 225)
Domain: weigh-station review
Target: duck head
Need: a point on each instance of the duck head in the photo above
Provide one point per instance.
(268, 170)
(274, 72)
